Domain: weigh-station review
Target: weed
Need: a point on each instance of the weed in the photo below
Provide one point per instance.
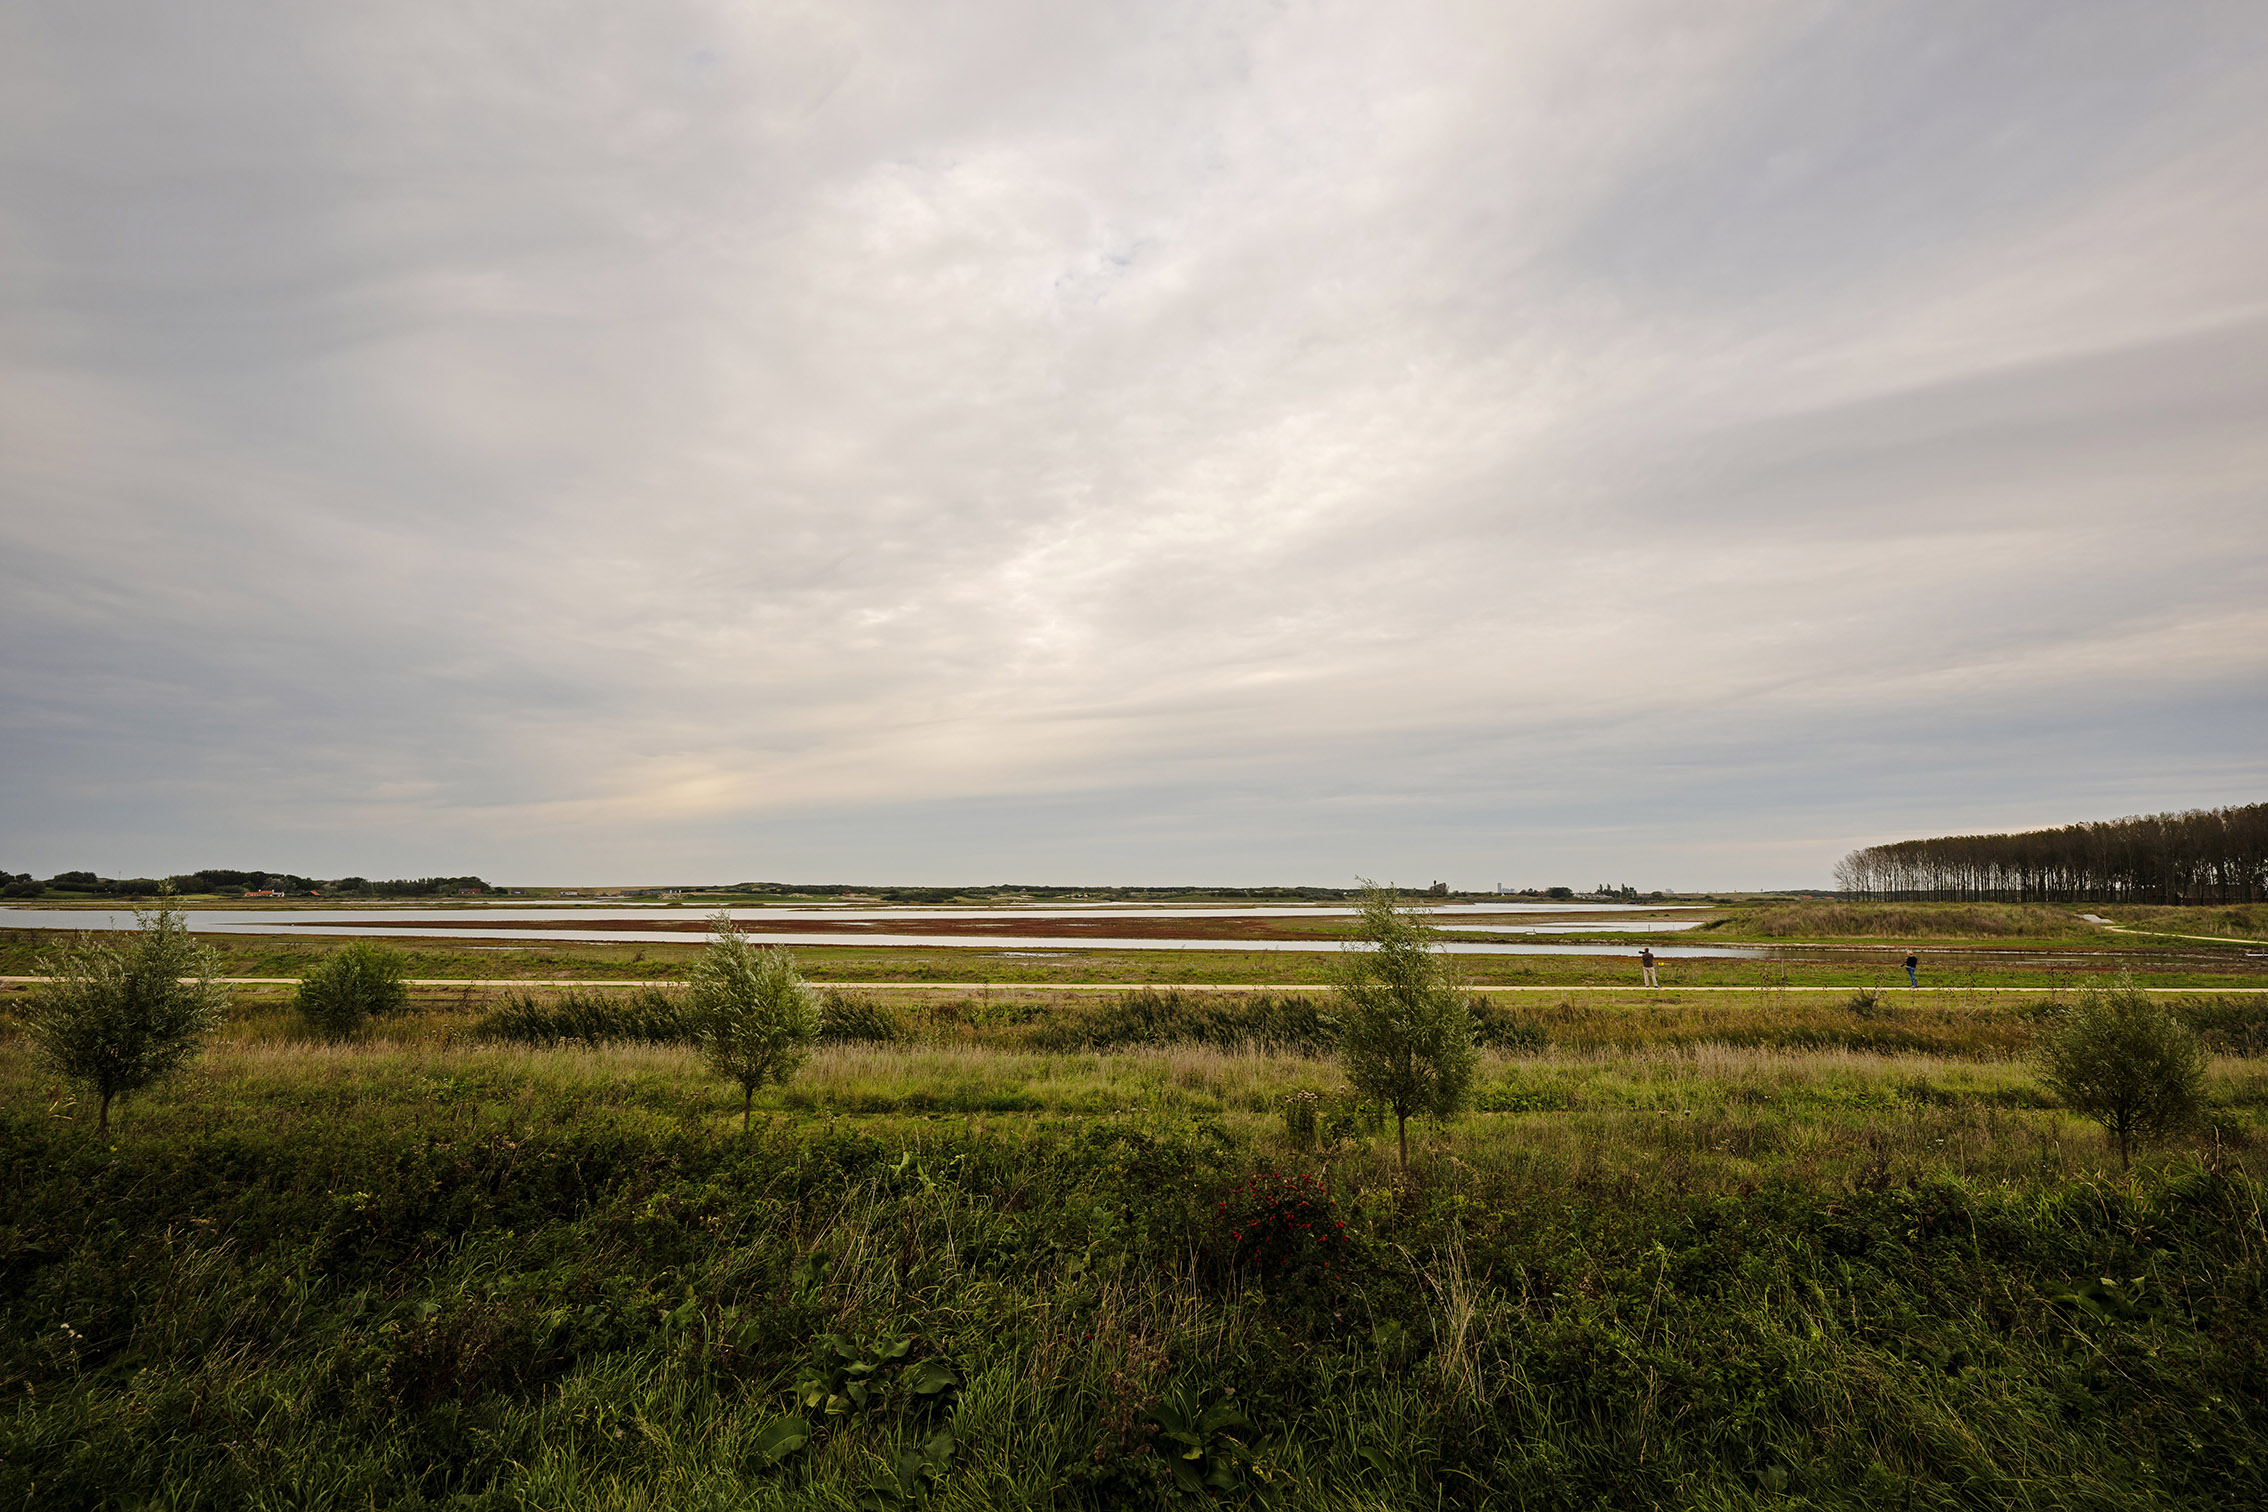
(1200, 1444)
(1300, 1109)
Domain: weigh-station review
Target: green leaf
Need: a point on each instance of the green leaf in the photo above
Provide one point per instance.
(930, 1377)
(781, 1437)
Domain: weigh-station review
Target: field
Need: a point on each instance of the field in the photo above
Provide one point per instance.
(1784, 1244)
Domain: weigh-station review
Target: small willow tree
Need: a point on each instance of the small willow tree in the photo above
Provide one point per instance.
(2127, 1063)
(116, 1018)
(752, 1017)
(1405, 1034)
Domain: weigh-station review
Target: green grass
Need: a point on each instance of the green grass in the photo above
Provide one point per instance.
(1904, 921)
(2243, 921)
(1950, 1023)
(423, 1272)
(1948, 965)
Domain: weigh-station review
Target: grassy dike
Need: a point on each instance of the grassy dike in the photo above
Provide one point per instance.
(424, 1272)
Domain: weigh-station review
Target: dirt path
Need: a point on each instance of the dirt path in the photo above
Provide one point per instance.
(2167, 934)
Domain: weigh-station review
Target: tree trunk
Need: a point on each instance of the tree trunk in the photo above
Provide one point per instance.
(747, 1097)
(102, 1114)
(1402, 1128)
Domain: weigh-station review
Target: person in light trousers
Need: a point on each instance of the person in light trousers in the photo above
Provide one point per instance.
(1646, 964)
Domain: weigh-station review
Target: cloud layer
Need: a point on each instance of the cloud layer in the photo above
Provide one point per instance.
(1102, 442)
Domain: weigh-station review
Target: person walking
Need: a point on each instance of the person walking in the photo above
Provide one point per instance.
(1912, 961)
(1646, 964)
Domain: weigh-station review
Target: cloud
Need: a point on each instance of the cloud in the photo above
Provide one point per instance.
(1244, 442)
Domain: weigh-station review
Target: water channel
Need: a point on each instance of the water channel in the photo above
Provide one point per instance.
(387, 922)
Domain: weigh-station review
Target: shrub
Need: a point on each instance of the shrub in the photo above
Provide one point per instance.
(1294, 1025)
(2127, 1063)
(1406, 1036)
(1281, 1224)
(599, 1016)
(119, 1017)
(1496, 1029)
(351, 986)
(752, 1017)
(2228, 1026)
(848, 1019)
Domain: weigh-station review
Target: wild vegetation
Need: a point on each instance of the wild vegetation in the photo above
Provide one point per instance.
(1899, 921)
(1032, 1248)
(350, 987)
(499, 1277)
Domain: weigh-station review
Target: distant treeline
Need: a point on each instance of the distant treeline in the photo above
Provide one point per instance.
(2202, 856)
(219, 880)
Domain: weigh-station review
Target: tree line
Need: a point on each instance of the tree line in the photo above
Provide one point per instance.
(2215, 855)
(220, 880)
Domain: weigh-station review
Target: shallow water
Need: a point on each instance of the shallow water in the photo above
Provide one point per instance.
(385, 923)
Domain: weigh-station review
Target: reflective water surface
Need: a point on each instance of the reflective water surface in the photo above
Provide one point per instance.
(390, 922)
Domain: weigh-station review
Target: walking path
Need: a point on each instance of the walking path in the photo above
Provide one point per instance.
(2167, 934)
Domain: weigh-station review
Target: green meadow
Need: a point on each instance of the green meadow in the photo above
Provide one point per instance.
(1033, 1245)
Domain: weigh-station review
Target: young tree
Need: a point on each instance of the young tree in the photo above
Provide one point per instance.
(119, 1017)
(1405, 1036)
(351, 986)
(752, 1017)
(2126, 1063)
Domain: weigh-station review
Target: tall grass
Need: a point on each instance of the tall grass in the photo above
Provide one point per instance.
(1710, 1275)
(655, 1016)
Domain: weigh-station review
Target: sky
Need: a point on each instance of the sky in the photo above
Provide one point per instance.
(1048, 441)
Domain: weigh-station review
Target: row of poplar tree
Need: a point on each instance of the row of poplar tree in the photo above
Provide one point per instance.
(2202, 856)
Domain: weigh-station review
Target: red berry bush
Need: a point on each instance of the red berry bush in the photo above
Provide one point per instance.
(1277, 1224)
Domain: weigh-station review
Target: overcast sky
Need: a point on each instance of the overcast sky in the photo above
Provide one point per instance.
(1087, 442)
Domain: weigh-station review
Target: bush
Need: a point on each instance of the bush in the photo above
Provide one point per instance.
(2228, 1026)
(1280, 1224)
(119, 1017)
(1292, 1025)
(599, 1016)
(351, 986)
(1496, 1029)
(848, 1019)
(2127, 1063)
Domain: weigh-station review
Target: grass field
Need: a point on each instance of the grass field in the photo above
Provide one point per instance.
(1948, 963)
(1664, 1270)
(1762, 1247)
